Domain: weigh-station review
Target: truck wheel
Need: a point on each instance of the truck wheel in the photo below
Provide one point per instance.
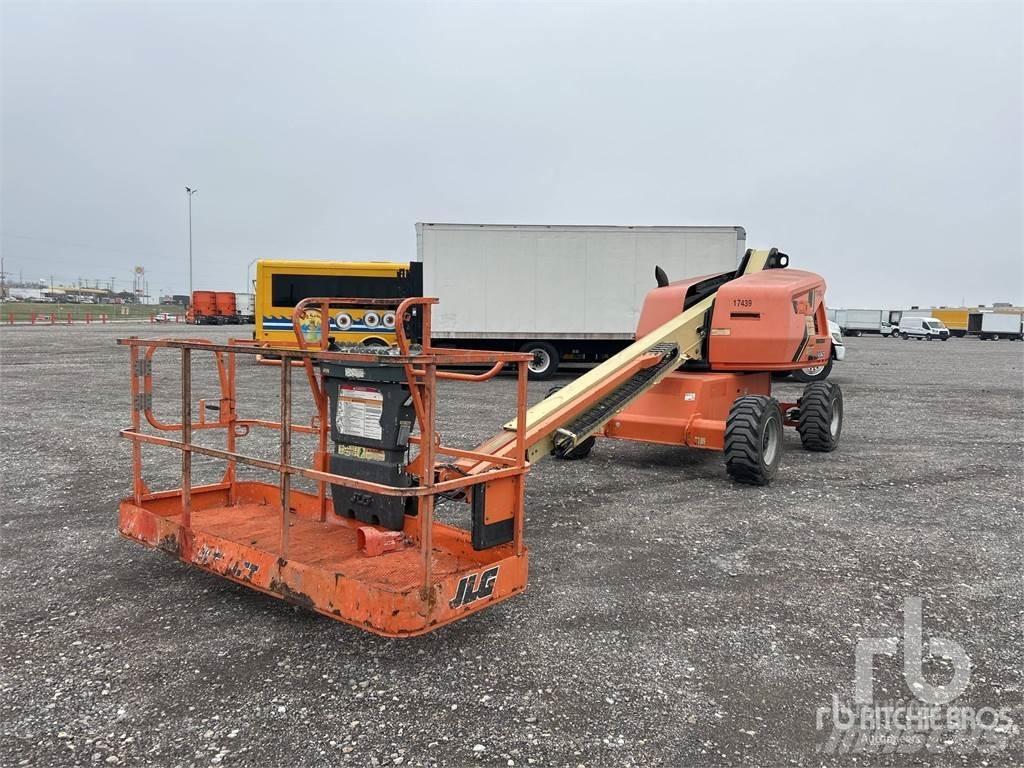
(821, 416)
(904, 336)
(545, 359)
(814, 373)
(753, 439)
(995, 337)
(582, 450)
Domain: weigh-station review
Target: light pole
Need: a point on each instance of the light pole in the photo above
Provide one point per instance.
(248, 282)
(190, 191)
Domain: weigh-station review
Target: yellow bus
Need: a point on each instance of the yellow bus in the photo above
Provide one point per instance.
(280, 285)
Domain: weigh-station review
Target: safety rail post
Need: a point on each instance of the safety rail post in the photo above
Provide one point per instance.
(133, 361)
(286, 448)
(232, 417)
(427, 456)
(321, 406)
(186, 438)
(520, 455)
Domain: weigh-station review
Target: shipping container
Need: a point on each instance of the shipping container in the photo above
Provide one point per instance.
(571, 295)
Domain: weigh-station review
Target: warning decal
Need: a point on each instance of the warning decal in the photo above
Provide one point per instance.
(359, 411)
(361, 452)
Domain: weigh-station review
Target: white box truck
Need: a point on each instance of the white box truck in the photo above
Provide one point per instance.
(571, 295)
(246, 304)
(861, 321)
(856, 322)
(995, 325)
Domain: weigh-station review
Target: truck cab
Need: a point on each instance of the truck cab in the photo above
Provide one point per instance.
(922, 328)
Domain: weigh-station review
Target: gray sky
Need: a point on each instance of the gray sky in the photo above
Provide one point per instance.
(879, 144)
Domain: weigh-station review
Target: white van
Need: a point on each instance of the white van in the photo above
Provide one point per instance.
(922, 328)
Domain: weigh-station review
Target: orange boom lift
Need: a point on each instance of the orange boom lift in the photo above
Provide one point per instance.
(366, 547)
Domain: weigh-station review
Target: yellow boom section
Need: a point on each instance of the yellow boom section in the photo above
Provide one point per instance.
(583, 407)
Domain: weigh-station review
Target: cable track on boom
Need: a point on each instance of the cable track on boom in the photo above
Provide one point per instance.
(603, 410)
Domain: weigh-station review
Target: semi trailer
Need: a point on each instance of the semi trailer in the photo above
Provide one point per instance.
(568, 295)
(213, 308)
(203, 308)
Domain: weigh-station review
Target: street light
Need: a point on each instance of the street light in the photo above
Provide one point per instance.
(248, 282)
(190, 191)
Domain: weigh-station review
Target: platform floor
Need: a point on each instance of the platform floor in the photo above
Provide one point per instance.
(328, 546)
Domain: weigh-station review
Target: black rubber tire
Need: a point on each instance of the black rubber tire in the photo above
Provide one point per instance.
(904, 336)
(821, 375)
(582, 450)
(754, 422)
(995, 337)
(821, 416)
(542, 350)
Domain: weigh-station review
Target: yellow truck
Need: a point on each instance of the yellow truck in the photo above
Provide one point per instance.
(280, 285)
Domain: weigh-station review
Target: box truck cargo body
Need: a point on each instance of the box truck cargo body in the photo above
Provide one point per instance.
(569, 294)
(856, 322)
(246, 308)
(995, 325)
(954, 318)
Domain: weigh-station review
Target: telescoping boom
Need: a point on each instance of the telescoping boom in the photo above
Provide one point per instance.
(366, 547)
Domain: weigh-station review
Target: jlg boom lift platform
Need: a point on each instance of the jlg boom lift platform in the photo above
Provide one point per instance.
(366, 548)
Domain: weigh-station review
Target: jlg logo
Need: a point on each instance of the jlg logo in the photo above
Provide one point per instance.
(469, 593)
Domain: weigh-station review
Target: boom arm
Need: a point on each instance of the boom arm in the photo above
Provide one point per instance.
(582, 408)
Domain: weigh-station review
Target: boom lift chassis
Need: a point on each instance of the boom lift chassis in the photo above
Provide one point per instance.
(406, 575)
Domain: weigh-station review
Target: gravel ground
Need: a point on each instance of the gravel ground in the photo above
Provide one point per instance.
(671, 617)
